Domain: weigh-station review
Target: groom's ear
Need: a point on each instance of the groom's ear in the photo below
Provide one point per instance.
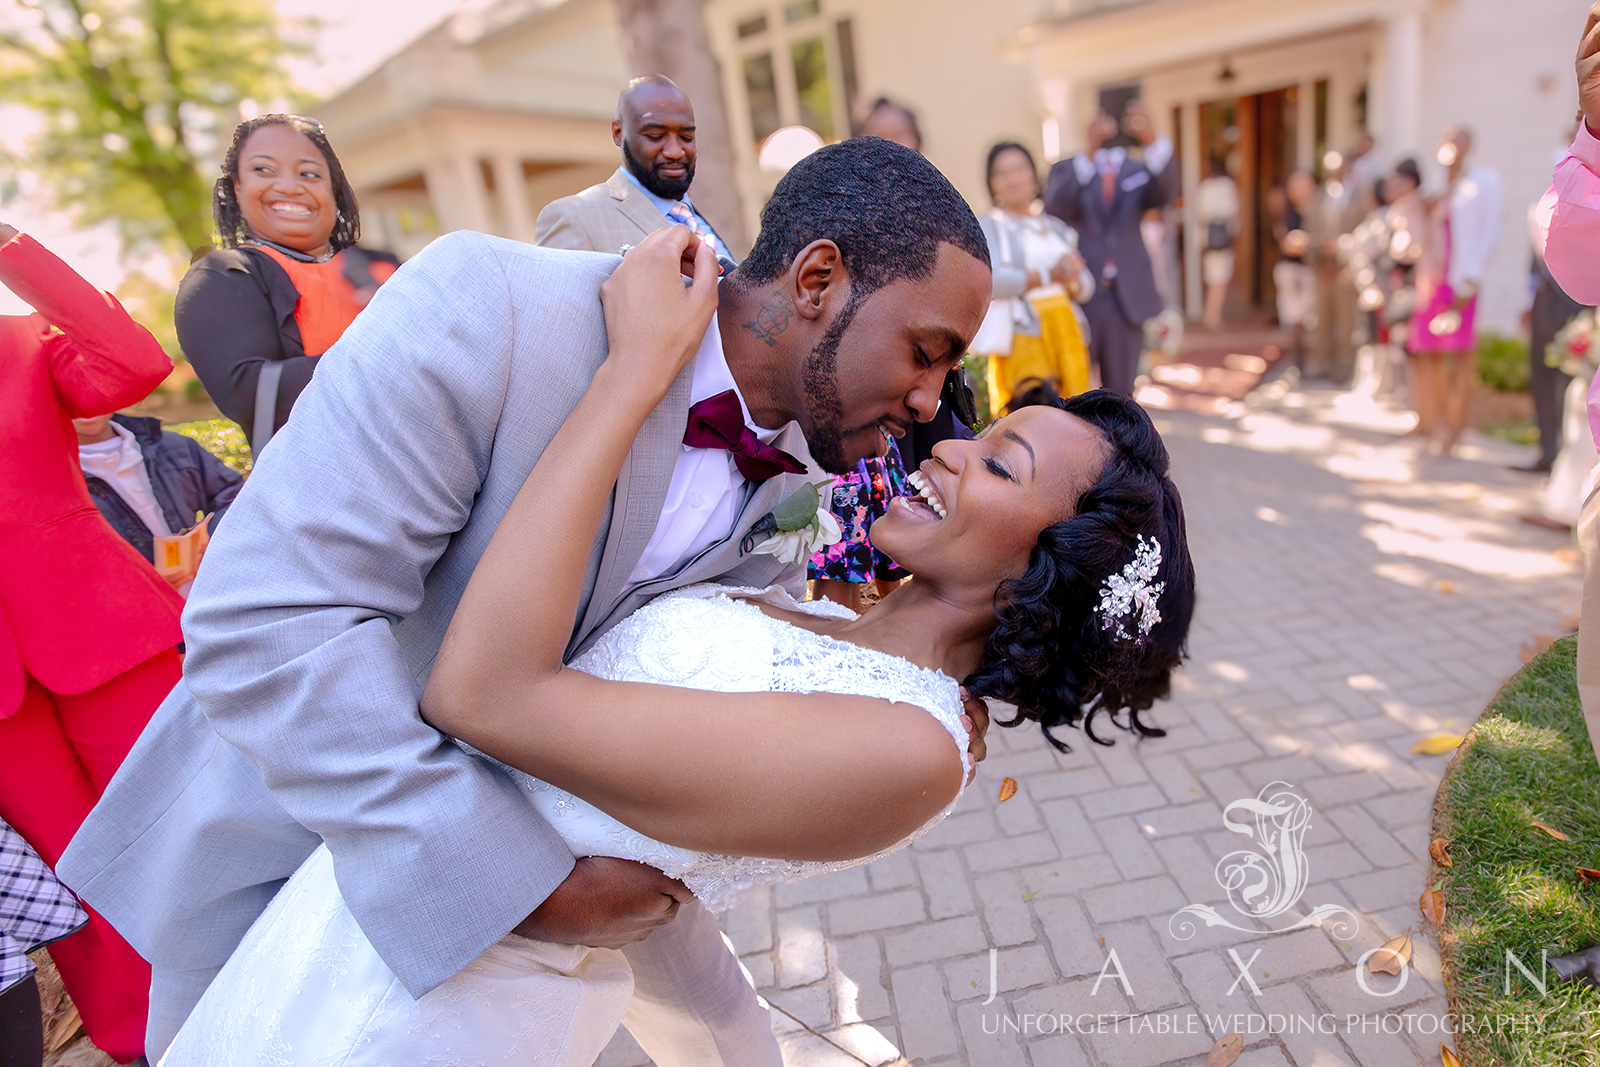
(819, 276)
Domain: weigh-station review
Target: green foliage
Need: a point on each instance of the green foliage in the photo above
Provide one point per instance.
(1503, 363)
(1517, 431)
(222, 438)
(1514, 887)
(133, 94)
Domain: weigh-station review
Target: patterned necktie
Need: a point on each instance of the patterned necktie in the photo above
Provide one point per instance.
(1108, 181)
(718, 422)
(682, 212)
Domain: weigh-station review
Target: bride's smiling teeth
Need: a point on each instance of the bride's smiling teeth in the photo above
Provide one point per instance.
(926, 493)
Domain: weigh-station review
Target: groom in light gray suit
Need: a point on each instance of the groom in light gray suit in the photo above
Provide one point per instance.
(321, 605)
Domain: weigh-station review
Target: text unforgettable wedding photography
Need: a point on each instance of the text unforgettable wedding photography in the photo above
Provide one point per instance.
(826, 533)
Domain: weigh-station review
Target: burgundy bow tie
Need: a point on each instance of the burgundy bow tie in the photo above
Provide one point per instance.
(718, 422)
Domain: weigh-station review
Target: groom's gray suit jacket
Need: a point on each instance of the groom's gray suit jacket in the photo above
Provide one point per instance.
(320, 608)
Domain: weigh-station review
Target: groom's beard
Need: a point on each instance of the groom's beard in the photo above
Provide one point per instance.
(825, 433)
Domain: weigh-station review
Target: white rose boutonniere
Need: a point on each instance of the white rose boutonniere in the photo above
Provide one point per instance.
(796, 529)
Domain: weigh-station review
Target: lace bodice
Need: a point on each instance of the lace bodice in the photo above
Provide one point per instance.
(712, 637)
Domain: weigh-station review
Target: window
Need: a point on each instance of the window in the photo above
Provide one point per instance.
(847, 65)
(811, 86)
(761, 90)
(798, 68)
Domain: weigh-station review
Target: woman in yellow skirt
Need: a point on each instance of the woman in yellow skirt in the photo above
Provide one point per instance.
(1039, 279)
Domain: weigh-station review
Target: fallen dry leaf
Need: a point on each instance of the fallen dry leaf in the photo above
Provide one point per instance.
(1008, 788)
(1437, 744)
(1532, 649)
(1391, 958)
(1446, 587)
(1552, 831)
(1448, 1057)
(1433, 906)
(1587, 875)
(1225, 1051)
(1440, 851)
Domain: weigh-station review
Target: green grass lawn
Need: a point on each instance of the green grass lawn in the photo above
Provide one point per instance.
(1515, 887)
(222, 438)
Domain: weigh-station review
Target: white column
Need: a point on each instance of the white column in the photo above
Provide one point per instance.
(513, 197)
(455, 187)
(1396, 107)
(1060, 134)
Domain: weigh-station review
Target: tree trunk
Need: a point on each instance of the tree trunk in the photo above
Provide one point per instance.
(669, 37)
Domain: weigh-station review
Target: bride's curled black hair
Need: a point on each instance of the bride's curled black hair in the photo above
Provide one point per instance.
(1053, 654)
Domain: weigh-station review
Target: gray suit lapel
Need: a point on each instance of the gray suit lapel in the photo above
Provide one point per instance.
(721, 558)
(636, 502)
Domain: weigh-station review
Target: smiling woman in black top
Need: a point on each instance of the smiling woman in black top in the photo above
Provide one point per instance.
(287, 281)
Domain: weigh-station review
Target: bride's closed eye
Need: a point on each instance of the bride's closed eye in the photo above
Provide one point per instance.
(997, 469)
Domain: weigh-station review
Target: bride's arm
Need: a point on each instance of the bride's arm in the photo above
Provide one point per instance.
(773, 774)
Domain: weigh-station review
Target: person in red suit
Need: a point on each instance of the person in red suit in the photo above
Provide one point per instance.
(88, 629)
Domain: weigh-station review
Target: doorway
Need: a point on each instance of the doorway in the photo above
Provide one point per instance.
(1255, 136)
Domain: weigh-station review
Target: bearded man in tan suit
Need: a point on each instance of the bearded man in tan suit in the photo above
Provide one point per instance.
(654, 128)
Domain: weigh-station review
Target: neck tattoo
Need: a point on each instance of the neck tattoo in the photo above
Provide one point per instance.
(772, 318)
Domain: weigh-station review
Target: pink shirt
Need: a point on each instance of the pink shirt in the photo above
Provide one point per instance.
(1569, 221)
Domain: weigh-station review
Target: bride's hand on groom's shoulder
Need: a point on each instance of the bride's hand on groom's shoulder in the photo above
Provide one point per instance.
(654, 319)
(976, 721)
(606, 903)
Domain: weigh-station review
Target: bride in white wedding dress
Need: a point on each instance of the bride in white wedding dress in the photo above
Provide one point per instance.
(733, 737)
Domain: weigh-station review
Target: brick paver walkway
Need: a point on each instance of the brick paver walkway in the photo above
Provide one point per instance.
(1353, 598)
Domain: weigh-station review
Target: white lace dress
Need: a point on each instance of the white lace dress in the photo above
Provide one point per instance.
(305, 987)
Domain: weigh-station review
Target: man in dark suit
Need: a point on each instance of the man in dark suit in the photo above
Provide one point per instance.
(1552, 309)
(1102, 193)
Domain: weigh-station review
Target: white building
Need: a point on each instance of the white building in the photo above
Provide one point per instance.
(487, 117)
(1295, 78)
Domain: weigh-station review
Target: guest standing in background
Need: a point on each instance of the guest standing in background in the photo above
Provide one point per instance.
(1103, 194)
(654, 126)
(1550, 309)
(254, 316)
(1336, 211)
(149, 482)
(1216, 207)
(88, 629)
(1292, 276)
(1039, 279)
(1463, 226)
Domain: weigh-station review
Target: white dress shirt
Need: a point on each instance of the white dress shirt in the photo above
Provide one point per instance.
(707, 490)
(120, 464)
(1157, 154)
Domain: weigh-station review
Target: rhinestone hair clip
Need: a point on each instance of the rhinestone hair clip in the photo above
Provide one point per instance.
(1134, 592)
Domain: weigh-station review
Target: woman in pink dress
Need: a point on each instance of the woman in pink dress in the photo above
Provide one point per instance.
(1463, 225)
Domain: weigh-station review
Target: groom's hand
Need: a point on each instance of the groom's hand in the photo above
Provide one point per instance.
(976, 720)
(605, 903)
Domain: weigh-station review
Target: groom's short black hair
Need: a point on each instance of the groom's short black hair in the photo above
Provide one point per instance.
(885, 206)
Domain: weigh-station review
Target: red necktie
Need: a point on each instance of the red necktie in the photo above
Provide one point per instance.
(718, 422)
(1108, 183)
